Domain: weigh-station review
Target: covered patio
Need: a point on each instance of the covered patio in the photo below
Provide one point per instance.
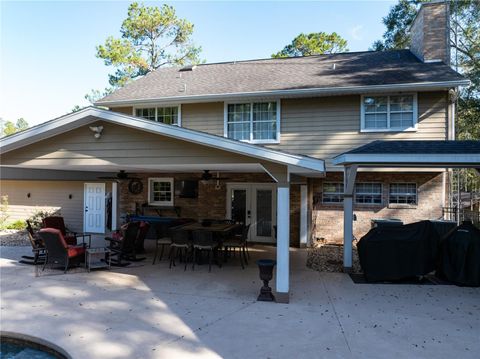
(81, 145)
(398, 155)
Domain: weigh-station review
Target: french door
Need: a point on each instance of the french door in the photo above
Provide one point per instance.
(94, 208)
(254, 204)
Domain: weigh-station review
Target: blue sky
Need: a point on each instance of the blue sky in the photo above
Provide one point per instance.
(48, 58)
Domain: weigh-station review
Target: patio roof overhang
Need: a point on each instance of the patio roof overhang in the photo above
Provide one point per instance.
(430, 154)
(244, 157)
(391, 154)
(124, 142)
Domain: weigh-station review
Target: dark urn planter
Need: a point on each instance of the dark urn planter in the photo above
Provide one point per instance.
(266, 273)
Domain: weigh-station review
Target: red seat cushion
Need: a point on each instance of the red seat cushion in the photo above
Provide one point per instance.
(74, 251)
(71, 240)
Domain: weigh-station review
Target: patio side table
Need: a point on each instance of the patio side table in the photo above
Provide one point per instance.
(96, 258)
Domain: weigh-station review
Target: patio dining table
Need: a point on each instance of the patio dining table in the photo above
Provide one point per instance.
(216, 228)
(220, 232)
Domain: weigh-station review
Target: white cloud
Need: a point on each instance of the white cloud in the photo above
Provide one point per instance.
(356, 32)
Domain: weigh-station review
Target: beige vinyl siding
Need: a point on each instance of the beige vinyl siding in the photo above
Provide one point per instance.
(118, 146)
(324, 127)
(46, 195)
(327, 126)
(206, 117)
(127, 110)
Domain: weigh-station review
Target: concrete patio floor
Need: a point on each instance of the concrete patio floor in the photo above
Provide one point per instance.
(153, 312)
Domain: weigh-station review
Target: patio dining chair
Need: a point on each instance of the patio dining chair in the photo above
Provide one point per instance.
(162, 240)
(204, 241)
(181, 244)
(58, 252)
(240, 242)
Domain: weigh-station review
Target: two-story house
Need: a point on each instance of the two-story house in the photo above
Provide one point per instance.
(248, 140)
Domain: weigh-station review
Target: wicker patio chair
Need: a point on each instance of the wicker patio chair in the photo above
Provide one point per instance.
(58, 251)
(38, 247)
(123, 246)
(70, 237)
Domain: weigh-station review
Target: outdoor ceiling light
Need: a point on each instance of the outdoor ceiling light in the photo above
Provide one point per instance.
(97, 130)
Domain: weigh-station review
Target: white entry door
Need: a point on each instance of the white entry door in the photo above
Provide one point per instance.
(94, 208)
(254, 204)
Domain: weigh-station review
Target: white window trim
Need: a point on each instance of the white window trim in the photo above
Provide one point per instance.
(369, 204)
(388, 129)
(342, 193)
(251, 140)
(403, 204)
(160, 179)
(179, 106)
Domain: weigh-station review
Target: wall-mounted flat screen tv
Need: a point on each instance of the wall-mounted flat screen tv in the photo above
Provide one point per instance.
(186, 189)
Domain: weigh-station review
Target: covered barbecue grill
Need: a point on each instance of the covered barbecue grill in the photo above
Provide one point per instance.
(460, 256)
(397, 252)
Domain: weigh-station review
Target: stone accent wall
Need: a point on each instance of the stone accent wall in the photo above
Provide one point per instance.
(327, 219)
(430, 33)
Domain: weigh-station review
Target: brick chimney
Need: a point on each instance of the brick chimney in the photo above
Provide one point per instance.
(430, 32)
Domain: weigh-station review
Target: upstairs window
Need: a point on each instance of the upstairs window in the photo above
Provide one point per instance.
(168, 115)
(389, 113)
(403, 193)
(256, 122)
(332, 192)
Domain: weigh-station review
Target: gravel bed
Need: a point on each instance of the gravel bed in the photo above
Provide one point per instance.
(14, 238)
(325, 257)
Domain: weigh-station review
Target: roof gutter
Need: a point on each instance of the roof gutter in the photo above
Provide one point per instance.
(293, 92)
(408, 160)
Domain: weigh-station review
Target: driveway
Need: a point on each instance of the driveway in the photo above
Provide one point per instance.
(150, 311)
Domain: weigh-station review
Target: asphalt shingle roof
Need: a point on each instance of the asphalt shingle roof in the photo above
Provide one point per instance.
(324, 71)
(419, 147)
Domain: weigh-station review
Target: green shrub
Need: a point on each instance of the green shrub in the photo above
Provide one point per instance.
(38, 216)
(20, 225)
(3, 211)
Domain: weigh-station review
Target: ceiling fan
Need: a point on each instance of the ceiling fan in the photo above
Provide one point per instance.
(121, 175)
(207, 176)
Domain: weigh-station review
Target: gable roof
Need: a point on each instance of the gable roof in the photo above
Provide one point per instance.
(423, 153)
(91, 114)
(336, 73)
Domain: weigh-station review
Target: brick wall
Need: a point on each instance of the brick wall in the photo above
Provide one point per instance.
(211, 201)
(327, 219)
(429, 33)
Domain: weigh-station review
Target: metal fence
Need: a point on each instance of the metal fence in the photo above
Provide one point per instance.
(453, 213)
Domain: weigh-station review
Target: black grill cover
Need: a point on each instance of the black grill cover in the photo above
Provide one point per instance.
(443, 227)
(395, 253)
(460, 256)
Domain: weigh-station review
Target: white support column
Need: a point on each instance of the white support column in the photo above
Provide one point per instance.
(350, 172)
(114, 205)
(303, 215)
(283, 242)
